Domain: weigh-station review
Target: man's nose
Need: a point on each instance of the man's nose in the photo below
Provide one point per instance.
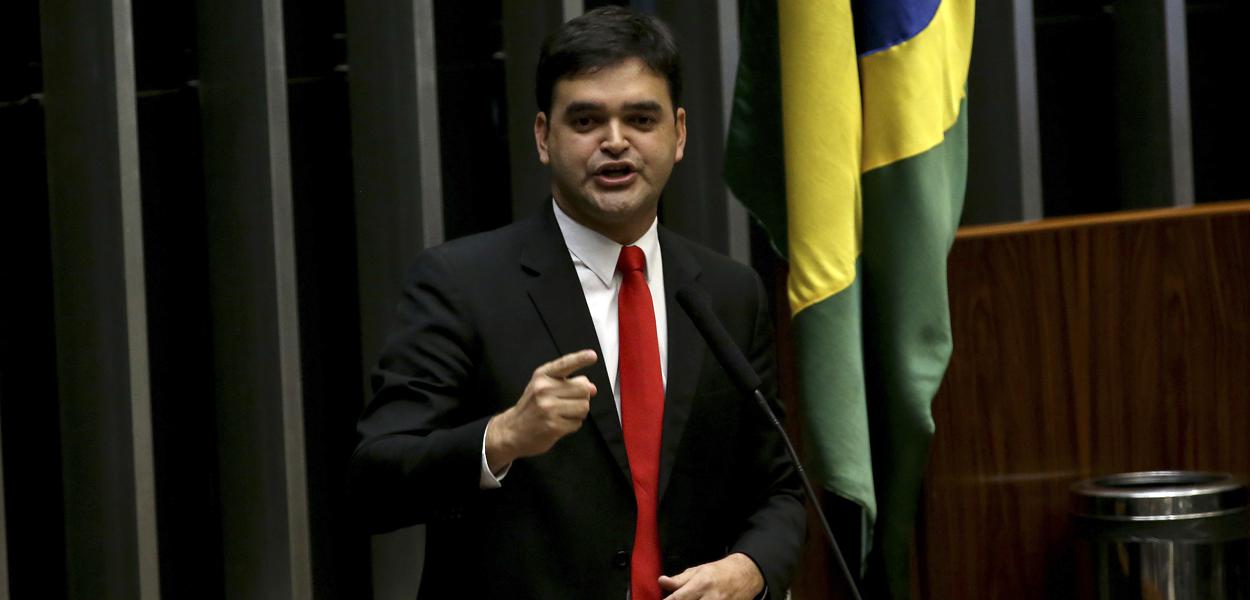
(614, 141)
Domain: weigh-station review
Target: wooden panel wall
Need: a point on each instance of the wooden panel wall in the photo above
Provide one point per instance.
(1082, 346)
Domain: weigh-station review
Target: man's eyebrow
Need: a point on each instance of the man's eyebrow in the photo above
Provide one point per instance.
(644, 106)
(580, 107)
(583, 107)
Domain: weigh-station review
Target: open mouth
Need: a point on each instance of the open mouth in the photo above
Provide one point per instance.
(615, 174)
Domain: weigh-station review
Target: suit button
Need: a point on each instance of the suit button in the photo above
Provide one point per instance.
(621, 560)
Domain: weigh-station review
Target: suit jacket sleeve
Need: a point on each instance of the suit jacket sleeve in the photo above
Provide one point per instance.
(773, 535)
(420, 437)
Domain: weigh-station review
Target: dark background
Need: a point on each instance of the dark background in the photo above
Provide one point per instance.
(187, 282)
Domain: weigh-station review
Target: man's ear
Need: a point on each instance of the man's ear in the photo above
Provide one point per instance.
(681, 134)
(541, 127)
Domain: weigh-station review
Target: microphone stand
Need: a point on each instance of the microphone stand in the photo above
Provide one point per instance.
(811, 493)
(699, 308)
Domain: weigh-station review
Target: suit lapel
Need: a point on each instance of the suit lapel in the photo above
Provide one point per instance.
(685, 353)
(557, 295)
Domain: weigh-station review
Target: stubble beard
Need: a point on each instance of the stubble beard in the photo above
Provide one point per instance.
(610, 213)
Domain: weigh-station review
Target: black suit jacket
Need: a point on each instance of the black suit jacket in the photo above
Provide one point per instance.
(477, 316)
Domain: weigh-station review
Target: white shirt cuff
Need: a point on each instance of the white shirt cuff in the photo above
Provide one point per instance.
(488, 480)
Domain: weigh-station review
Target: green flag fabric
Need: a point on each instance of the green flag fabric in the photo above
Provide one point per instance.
(848, 143)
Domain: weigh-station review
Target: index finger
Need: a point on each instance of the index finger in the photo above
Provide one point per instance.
(568, 364)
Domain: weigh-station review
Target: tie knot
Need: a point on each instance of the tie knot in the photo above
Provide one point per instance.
(632, 258)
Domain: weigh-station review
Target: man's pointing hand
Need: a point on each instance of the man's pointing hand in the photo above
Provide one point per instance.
(552, 406)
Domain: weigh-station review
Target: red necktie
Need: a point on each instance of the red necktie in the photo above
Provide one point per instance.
(642, 415)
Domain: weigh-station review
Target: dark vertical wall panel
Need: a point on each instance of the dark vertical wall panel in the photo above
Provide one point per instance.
(472, 100)
(325, 242)
(738, 235)
(4, 535)
(1076, 106)
(1152, 79)
(1221, 123)
(398, 194)
(429, 169)
(30, 443)
(100, 305)
(397, 174)
(695, 201)
(4, 530)
(1004, 155)
(180, 338)
(260, 427)
(1113, 99)
(179, 317)
(525, 24)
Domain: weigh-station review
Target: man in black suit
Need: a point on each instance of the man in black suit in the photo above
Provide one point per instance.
(677, 485)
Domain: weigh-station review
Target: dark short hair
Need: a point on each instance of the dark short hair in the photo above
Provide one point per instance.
(604, 37)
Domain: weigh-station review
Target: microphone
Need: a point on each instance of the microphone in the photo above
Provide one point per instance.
(699, 308)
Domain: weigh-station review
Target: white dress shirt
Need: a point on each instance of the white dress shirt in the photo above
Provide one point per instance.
(594, 258)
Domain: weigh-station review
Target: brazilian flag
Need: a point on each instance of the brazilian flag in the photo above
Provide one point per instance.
(848, 142)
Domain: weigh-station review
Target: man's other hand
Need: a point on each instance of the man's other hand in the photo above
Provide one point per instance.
(734, 577)
(552, 406)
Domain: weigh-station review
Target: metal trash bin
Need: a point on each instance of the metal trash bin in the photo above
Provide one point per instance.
(1176, 535)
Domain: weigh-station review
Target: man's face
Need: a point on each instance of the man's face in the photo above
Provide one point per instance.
(611, 141)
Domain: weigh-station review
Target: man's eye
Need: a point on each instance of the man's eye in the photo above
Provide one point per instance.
(583, 122)
(644, 121)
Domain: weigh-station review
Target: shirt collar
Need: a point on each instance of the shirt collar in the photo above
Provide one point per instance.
(599, 252)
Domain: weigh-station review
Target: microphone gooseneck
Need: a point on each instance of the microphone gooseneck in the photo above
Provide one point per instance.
(697, 306)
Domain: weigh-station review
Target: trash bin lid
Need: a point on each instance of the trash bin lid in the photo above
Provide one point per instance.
(1159, 496)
